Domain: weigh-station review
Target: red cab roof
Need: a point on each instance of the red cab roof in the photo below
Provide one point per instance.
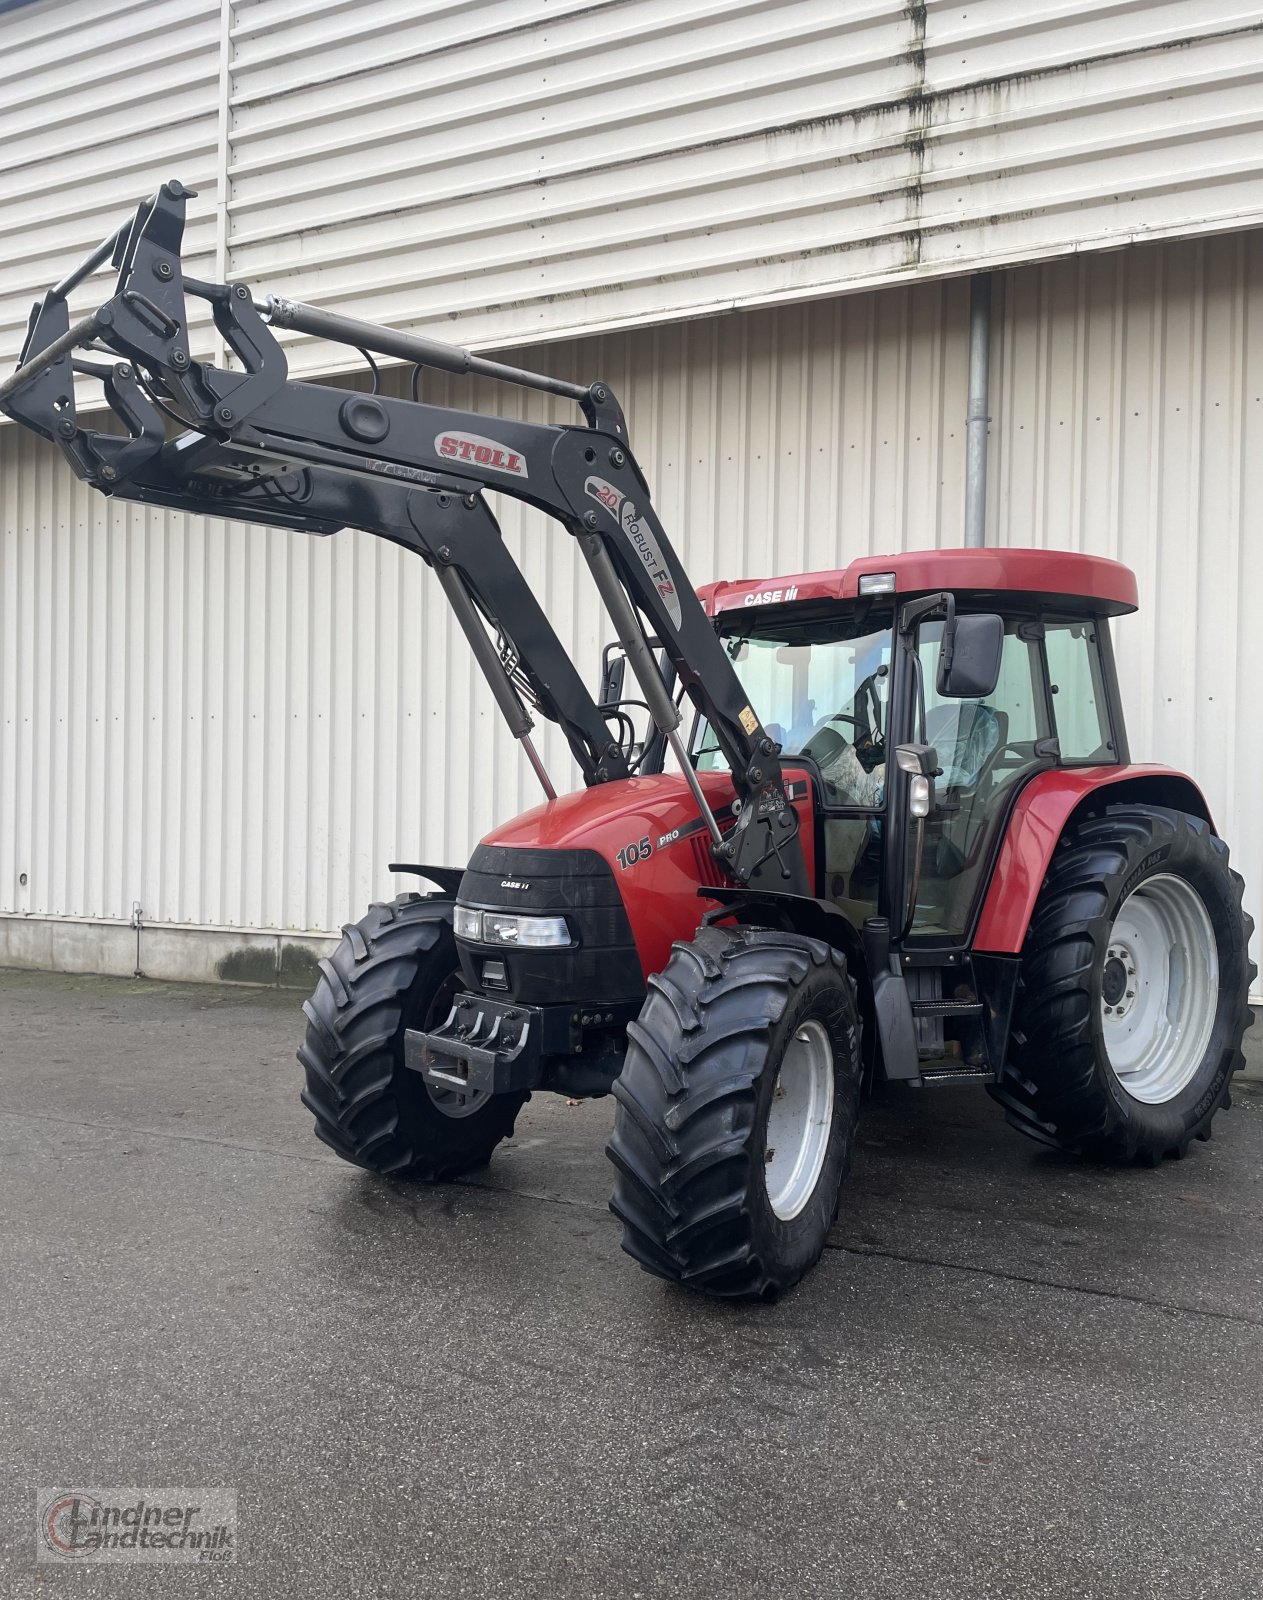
(1089, 582)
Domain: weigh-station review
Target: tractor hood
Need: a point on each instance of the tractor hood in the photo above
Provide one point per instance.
(607, 817)
(637, 845)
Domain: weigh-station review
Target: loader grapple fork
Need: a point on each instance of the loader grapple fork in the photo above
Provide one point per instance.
(256, 445)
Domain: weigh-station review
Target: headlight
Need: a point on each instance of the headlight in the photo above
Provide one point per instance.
(509, 927)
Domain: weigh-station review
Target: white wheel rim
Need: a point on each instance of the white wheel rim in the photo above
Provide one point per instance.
(799, 1121)
(1159, 988)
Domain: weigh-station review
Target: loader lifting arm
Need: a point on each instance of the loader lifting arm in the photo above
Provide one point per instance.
(254, 444)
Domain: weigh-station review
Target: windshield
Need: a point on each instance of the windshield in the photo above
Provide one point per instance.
(825, 697)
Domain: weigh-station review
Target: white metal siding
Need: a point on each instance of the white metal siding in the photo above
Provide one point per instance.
(514, 170)
(547, 168)
(100, 100)
(1128, 406)
(241, 727)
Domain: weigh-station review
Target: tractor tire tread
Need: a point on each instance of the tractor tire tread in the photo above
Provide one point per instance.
(1050, 1089)
(350, 1055)
(686, 1103)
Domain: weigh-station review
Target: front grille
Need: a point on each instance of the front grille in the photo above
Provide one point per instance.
(600, 968)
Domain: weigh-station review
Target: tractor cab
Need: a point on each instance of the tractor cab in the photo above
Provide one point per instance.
(921, 694)
(851, 675)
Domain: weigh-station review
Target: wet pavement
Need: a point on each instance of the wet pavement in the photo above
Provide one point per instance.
(1011, 1375)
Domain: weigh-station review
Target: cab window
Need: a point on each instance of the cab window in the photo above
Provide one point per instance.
(826, 696)
(1077, 682)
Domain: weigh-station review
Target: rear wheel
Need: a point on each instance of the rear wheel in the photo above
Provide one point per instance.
(1134, 985)
(736, 1111)
(395, 969)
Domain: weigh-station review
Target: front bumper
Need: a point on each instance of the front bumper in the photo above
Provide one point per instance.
(499, 1046)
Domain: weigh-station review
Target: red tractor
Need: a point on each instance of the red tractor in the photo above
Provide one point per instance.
(897, 837)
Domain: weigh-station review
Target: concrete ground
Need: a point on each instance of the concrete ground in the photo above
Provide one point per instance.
(1012, 1374)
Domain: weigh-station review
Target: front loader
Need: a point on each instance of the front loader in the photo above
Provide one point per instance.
(876, 825)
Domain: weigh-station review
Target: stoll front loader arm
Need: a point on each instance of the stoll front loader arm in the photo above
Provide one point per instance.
(254, 445)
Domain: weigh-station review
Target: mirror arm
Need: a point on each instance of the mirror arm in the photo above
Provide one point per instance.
(948, 647)
(912, 613)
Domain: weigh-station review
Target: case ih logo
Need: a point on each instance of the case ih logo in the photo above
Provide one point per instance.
(641, 541)
(481, 452)
(771, 597)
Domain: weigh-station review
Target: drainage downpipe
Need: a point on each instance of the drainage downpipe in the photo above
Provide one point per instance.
(976, 417)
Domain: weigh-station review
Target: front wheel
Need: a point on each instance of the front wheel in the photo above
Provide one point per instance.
(736, 1111)
(395, 969)
(1134, 985)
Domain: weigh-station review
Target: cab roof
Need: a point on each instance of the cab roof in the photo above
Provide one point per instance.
(1055, 577)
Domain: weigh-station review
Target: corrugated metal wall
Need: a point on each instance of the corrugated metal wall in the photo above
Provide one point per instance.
(510, 170)
(99, 99)
(241, 727)
(560, 166)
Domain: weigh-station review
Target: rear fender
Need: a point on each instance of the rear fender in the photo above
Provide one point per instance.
(1041, 814)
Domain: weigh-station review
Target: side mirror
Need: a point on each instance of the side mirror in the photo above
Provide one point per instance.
(613, 674)
(969, 657)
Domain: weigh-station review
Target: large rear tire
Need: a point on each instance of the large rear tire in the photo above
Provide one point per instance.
(1134, 985)
(736, 1112)
(395, 969)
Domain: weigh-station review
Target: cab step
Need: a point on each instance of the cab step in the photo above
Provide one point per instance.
(958, 1072)
(947, 1008)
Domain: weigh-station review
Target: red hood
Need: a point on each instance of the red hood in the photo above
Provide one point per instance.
(579, 821)
(650, 833)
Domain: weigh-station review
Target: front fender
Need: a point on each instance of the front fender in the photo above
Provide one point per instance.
(1040, 817)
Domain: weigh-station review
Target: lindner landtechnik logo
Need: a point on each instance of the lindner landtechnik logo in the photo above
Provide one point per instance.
(132, 1525)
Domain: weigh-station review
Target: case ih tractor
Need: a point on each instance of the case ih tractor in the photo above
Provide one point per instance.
(843, 828)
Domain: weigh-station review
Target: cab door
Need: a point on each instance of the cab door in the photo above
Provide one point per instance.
(987, 748)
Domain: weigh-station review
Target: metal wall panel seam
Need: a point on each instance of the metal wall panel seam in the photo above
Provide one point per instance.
(1100, 33)
(118, 192)
(951, 129)
(85, 43)
(53, 19)
(223, 149)
(520, 199)
(629, 115)
(597, 247)
(1038, 110)
(492, 334)
(177, 60)
(646, 30)
(569, 239)
(306, 48)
